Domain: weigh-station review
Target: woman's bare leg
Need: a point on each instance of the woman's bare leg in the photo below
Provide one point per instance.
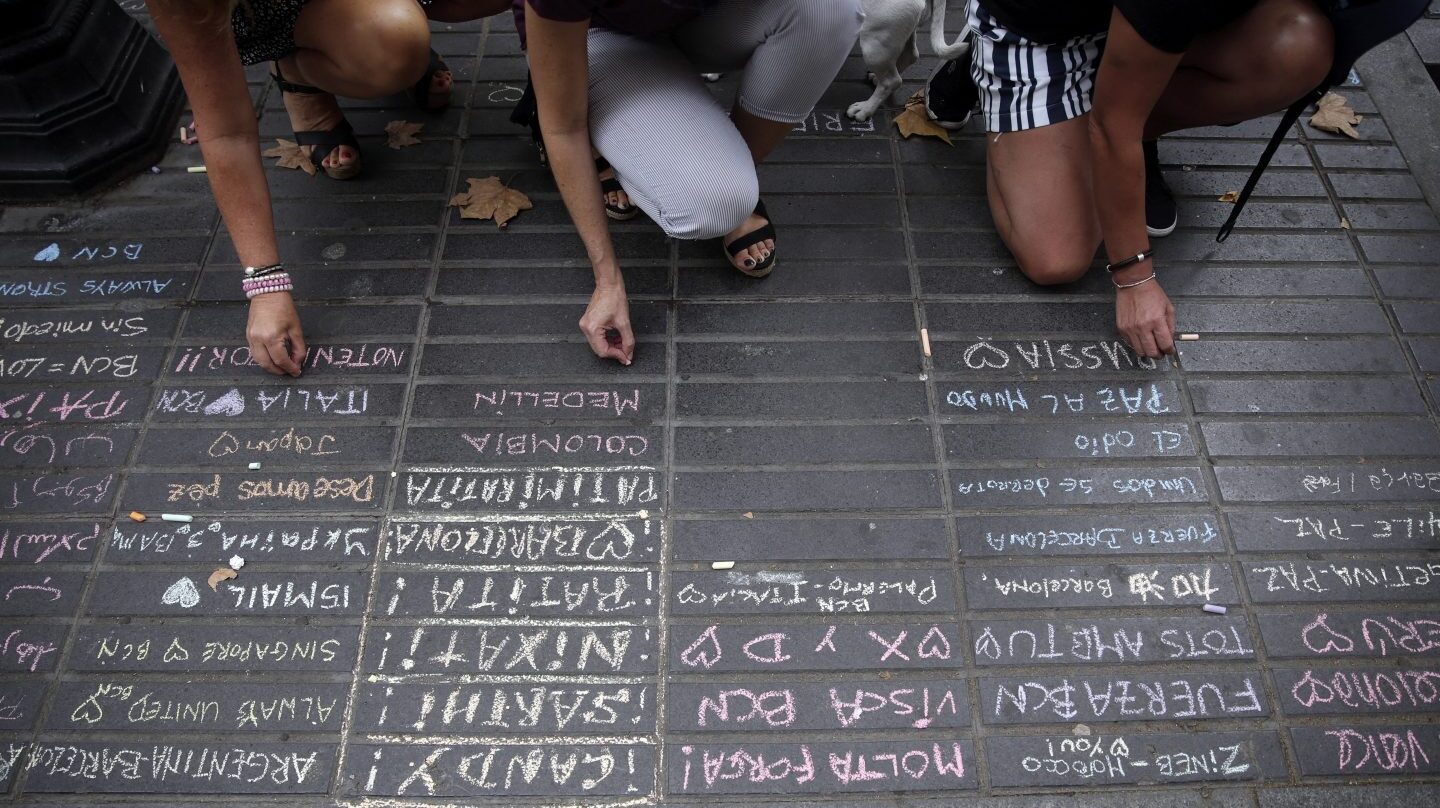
(1039, 188)
(1260, 63)
(366, 49)
(762, 136)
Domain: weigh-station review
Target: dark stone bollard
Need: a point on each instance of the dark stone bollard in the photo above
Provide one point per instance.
(87, 97)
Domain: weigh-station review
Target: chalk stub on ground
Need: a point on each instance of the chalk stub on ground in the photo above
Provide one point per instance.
(195, 169)
(176, 517)
(137, 516)
(255, 466)
(236, 563)
(1214, 608)
(1189, 337)
(722, 565)
(925, 341)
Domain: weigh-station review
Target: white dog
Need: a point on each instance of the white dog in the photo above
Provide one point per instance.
(887, 41)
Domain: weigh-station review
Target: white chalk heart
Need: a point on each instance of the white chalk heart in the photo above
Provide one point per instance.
(89, 711)
(49, 253)
(232, 403)
(182, 592)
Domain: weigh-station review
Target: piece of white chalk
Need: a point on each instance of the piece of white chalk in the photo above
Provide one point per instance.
(236, 563)
(925, 341)
(176, 517)
(254, 466)
(195, 169)
(722, 565)
(1214, 608)
(1189, 337)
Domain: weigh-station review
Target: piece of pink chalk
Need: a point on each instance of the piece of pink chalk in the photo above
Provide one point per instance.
(1214, 608)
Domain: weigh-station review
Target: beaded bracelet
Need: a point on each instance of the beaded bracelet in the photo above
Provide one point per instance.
(278, 281)
(250, 294)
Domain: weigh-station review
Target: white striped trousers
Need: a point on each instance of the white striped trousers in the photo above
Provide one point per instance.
(673, 146)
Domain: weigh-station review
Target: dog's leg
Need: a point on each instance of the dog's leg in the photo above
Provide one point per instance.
(887, 83)
(881, 61)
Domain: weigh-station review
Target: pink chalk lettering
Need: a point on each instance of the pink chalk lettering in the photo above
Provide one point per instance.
(1388, 751)
(776, 653)
(705, 651)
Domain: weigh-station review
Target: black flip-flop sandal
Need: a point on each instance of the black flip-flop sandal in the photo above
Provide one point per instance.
(759, 234)
(420, 91)
(609, 185)
(324, 141)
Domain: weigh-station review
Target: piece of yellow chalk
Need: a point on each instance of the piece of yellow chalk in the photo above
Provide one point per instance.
(195, 169)
(137, 516)
(925, 341)
(722, 565)
(1189, 337)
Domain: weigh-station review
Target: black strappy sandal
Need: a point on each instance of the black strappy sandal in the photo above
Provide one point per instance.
(324, 141)
(759, 234)
(420, 91)
(609, 185)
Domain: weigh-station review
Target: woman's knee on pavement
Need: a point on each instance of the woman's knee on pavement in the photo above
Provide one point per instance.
(386, 46)
(1054, 265)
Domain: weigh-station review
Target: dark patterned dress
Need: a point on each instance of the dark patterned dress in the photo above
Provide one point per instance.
(265, 29)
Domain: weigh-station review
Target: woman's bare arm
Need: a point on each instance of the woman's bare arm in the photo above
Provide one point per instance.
(559, 71)
(205, 54)
(1132, 76)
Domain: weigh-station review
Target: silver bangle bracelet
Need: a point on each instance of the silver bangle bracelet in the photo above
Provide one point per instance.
(1140, 282)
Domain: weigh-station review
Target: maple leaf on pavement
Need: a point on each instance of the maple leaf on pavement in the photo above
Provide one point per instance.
(292, 155)
(402, 134)
(490, 199)
(1333, 114)
(914, 121)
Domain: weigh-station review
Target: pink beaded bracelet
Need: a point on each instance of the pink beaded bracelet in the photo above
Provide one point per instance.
(275, 281)
(267, 288)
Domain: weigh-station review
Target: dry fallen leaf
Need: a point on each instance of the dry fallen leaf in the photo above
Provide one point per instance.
(914, 121)
(292, 155)
(490, 199)
(402, 134)
(220, 574)
(1230, 196)
(1333, 114)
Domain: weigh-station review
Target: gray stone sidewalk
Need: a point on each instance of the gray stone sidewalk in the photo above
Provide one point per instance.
(478, 561)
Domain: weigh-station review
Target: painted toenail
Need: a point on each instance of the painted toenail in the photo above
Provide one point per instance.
(749, 262)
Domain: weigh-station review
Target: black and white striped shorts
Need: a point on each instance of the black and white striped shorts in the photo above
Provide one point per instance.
(1026, 84)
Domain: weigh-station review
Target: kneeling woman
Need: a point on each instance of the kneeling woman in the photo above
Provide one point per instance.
(624, 75)
(319, 48)
(1075, 93)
